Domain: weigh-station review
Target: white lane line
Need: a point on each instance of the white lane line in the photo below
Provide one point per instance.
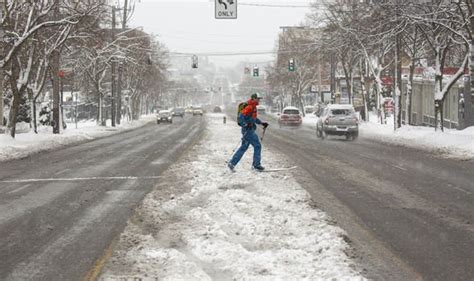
(398, 167)
(461, 189)
(19, 189)
(81, 179)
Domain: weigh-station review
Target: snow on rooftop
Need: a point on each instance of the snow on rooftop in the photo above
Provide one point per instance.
(219, 225)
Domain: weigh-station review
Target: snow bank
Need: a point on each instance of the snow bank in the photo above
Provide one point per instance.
(233, 226)
(29, 143)
(450, 143)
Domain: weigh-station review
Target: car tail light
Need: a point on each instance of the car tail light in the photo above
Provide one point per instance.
(284, 116)
(356, 119)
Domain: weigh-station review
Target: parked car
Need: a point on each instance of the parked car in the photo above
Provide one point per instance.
(164, 116)
(309, 109)
(189, 110)
(261, 109)
(290, 116)
(338, 119)
(178, 111)
(198, 111)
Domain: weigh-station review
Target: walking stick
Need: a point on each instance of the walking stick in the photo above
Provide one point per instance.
(263, 134)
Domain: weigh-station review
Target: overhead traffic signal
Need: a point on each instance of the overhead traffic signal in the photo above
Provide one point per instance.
(291, 65)
(255, 71)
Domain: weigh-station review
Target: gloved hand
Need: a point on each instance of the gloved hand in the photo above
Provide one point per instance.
(265, 125)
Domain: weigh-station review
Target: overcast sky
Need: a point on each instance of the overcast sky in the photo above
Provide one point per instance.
(189, 26)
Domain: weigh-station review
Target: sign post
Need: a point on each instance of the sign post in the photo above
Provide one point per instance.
(226, 9)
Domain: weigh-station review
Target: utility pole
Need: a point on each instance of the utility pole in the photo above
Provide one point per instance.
(333, 78)
(112, 108)
(320, 90)
(397, 120)
(470, 114)
(120, 69)
(125, 10)
(55, 76)
(1, 69)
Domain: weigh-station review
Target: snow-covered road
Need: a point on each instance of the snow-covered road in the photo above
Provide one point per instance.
(204, 222)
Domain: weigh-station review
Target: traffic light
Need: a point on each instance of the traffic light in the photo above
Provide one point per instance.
(255, 71)
(195, 62)
(291, 65)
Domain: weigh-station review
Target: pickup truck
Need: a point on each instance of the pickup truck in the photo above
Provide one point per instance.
(340, 120)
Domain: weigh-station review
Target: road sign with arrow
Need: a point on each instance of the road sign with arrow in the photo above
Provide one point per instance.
(226, 9)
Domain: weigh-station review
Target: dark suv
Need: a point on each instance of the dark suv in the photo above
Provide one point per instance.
(178, 111)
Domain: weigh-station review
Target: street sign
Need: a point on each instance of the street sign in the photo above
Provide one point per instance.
(226, 9)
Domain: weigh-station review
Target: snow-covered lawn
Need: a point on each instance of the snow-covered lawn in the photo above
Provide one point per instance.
(29, 143)
(206, 223)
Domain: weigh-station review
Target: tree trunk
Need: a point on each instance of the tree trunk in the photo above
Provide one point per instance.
(14, 114)
(409, 98)
(1, 96)
(13, 79)
(471, 68)
(364, 101)
(119, 90)
(99, 110)
(56, 92)
(439, 113)
(437, 102)
(398, 88)
(33, 110)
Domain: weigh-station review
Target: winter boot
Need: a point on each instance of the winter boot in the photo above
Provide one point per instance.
(259, 168)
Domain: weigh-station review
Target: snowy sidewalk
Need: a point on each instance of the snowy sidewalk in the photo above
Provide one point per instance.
(29, 143)
(204, 222)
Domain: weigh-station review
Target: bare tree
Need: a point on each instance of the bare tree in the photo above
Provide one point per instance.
(443, 25)
(24, 22)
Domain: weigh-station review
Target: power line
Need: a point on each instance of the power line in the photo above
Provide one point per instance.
(307, 47)
(178, 54)
(277, 5)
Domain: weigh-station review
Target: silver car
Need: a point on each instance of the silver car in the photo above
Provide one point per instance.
(340, 120)
(164, 116)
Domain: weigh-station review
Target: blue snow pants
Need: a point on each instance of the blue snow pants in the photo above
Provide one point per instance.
(249, 137)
